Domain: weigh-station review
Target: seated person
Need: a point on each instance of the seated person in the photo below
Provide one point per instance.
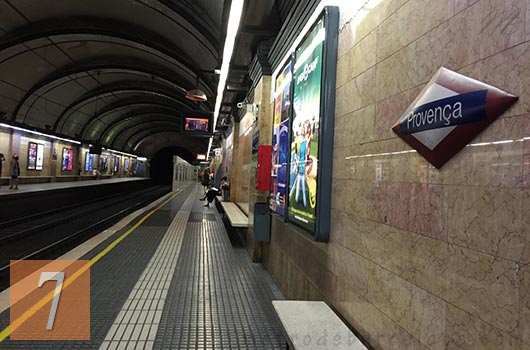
(214, 192)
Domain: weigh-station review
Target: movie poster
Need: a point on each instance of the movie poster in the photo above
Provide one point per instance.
(305, 128)
(89, 161)
(39, 165)
(280, 140)
(32, 156)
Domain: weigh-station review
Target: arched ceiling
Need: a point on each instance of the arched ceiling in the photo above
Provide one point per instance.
(116, 72)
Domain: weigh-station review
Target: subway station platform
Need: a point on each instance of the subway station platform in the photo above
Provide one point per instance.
(174, 281)
(48, 186)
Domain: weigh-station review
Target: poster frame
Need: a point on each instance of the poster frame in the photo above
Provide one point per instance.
(290, 61)
(29, 167)
(41, 166)
(321, 232)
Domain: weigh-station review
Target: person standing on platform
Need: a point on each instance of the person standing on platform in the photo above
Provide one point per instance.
(15, 172)
(205, 180)
(2, 158)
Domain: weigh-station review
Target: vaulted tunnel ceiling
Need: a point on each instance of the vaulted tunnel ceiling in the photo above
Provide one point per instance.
(116, 72)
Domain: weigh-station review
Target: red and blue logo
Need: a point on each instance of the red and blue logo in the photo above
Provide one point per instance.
(450, 111)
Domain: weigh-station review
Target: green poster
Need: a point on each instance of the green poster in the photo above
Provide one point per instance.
(305, 128)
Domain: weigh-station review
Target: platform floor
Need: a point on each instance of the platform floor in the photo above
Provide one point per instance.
(176, 282)
(4, 190)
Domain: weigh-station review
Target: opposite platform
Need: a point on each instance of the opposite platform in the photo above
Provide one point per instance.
(48, 186)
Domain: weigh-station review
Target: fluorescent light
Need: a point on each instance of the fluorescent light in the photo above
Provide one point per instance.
(236, 9)
(209, 148)
(39, 133)
(141, 159)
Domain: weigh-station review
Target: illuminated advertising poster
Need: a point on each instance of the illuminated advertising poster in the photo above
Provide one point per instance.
(126, 165)
(40, 157)
(66, 156)
(32, 156)
(116, 164)
(280, 140)
(89, 161)
(305, 128)
(70, 159)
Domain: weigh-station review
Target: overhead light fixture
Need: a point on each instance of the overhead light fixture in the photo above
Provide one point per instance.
(196, 95)
(39, 133)
(217, 71)
(236, 10)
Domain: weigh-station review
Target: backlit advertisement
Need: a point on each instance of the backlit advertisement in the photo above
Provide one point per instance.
(68, 159)
(280, 140)
(304, 157)
(32, 156)
(89, 161)
(40, 157)
(116, 164)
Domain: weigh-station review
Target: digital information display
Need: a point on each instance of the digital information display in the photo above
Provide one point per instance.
(196, 124)
(305, 128)
(89, 161)
(280, 140)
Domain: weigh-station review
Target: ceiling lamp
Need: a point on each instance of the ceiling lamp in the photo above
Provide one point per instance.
(196, 95)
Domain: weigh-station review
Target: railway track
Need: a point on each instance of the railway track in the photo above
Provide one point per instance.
(52, 233)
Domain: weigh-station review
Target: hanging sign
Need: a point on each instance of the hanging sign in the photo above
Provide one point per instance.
(450, 111)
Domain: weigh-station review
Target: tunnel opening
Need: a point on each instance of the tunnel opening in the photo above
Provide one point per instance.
(162, 163)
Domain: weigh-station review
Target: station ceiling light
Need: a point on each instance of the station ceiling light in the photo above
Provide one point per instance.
(38, 133)
(236, 10)
(196, 95)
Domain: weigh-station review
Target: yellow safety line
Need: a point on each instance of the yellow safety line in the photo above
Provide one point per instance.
(49, 297)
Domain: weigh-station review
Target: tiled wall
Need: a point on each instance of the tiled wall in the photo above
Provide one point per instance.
(422, 258)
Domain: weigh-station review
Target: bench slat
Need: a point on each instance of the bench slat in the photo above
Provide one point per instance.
(313, 325)
(236, 217)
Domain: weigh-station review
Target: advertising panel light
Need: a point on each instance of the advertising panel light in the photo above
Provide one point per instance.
(70, 159)
(65, 160)
(40, 157)
(32, 156)
(280, 140)
(89, 161)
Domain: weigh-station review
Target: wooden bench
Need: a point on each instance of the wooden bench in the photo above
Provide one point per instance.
(236, 217)
(313, 325)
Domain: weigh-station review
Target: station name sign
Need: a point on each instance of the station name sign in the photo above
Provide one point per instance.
(450, 111)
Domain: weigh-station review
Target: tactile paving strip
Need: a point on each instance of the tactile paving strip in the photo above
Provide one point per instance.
(218, 298)
(113, 278)
(136, 325)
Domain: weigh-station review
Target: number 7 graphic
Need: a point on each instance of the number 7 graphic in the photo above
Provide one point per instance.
(59, 278)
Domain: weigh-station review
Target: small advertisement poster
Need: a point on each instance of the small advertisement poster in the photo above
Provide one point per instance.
(280, 140)
(70, 159)
(89, 161)
(32, 156)
(116, 164)
(40, 157)
(66, 159)
(305, 129)
(103, 163)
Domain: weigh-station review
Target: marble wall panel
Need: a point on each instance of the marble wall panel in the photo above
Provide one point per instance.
(484, 286)
(465, 332)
